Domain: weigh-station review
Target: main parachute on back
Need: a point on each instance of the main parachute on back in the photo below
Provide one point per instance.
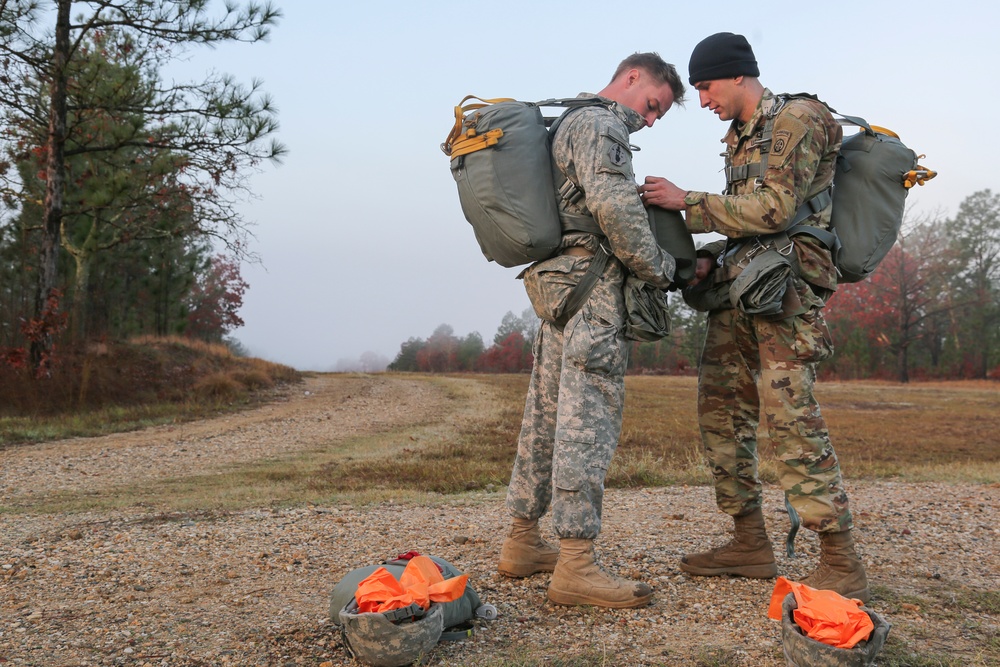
(501, 162)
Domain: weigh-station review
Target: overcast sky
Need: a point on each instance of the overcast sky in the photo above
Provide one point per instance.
(360, 231)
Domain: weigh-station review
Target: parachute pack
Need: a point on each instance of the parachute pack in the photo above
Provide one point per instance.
(507, 192)
(501, 163)
(874, 173)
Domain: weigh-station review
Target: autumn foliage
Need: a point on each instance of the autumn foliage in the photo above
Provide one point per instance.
(931, 310)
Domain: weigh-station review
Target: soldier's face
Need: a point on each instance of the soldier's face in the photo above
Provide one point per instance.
(720, 97)
(647, 97)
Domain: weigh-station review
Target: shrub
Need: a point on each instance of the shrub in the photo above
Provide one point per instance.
(219, 386)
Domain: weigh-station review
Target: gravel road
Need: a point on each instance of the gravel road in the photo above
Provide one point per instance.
(157, 587)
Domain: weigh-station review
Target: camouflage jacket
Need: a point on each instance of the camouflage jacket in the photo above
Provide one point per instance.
(805, 141)
(591, 148)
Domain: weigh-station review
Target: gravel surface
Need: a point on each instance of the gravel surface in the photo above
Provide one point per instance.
(164, 588)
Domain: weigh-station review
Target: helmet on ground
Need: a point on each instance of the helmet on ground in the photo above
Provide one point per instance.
(393, 638)
(803, 651)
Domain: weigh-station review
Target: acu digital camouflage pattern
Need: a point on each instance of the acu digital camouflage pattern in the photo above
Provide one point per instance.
(591, 148)
(375, 640)
(753, 368)
(573, 410)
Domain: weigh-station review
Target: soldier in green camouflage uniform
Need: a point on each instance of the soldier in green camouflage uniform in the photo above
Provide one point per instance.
(573, 411)
(756, 366)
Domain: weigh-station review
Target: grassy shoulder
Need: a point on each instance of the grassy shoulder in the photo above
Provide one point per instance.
(912, 433)
(130, 385)
(918, 432)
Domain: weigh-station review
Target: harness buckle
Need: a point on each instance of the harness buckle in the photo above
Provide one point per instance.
(757, 248)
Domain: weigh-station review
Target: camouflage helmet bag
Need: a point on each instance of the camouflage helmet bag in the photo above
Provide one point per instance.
(385, 639)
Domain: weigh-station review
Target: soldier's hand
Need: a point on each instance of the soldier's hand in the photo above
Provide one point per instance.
(677, 282)
(702, 268)
(658, 191)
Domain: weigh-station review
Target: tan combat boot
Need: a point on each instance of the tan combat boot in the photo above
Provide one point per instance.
(578, 579)
(524, 552)
(839, 569)
(748, 554)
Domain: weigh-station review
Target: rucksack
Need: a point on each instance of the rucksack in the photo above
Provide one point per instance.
(507, 192)
(874, 173)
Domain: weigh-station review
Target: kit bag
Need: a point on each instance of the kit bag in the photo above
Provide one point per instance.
(455, 613)
(500, 160)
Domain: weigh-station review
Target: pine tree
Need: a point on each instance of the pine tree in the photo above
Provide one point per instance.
(217, 128)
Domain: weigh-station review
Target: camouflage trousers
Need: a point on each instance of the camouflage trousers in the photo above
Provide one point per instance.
(753, 369)
(573, 414)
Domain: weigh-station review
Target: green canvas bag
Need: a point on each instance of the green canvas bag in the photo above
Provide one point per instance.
(501, 163)
(874, 173)
(455, 613)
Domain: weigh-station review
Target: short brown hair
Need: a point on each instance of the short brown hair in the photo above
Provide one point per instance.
(659, 69)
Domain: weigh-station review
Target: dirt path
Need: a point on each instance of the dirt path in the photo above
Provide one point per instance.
(325, 411)
(154, 587)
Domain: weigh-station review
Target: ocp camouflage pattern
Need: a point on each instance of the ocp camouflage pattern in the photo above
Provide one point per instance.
(753, 368)
(802, 163)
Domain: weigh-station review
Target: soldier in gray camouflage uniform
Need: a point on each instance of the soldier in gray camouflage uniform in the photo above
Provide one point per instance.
(757, 366)
(573, 411)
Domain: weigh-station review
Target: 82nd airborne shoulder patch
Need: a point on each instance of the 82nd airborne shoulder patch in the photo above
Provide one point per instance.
(781, 138)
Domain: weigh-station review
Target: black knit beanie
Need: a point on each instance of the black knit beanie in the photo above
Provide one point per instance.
(721, 56)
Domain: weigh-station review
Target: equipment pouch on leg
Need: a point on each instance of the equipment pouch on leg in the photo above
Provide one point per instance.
(558, 287)
(550, 283)
(647, 315)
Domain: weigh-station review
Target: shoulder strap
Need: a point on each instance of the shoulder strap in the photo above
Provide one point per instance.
(829, 237)
(582, 291)
(568, 192)
(571, 102)
(850, 120)
(756, 170)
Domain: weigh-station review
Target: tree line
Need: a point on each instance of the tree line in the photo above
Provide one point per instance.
(119, 184)
(931, 310)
